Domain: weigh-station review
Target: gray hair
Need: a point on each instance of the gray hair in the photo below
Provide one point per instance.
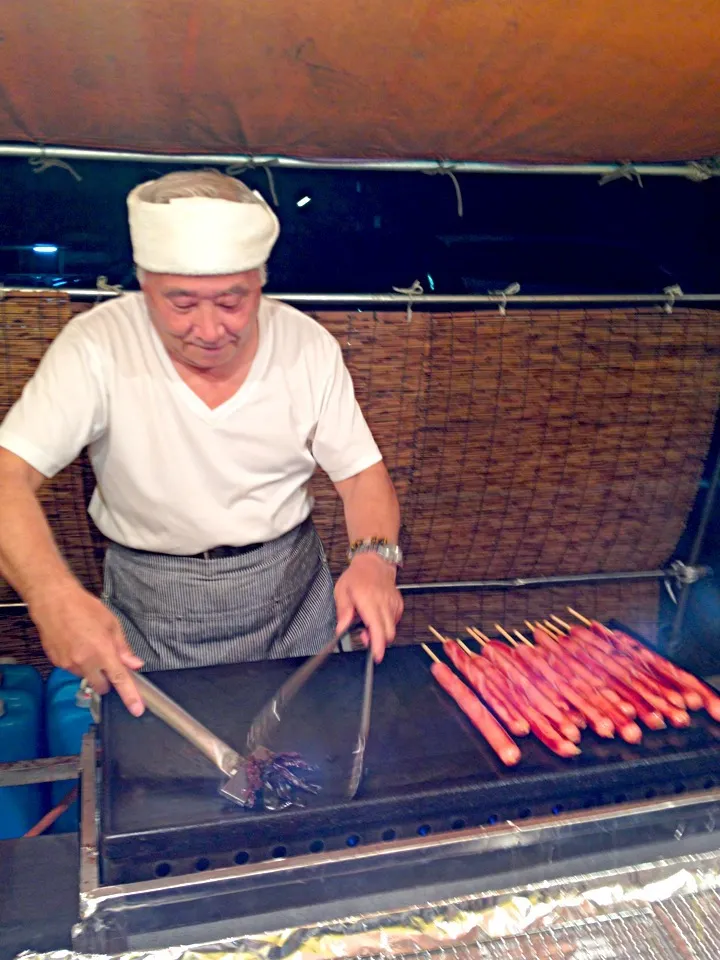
(198, 183)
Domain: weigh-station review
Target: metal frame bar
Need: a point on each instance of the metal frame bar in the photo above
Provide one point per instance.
(697, 545)
(402, 300)
(691, 170)
(463, 586)
(44, 770)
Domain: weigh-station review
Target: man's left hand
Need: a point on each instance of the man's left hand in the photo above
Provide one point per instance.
(367, 590)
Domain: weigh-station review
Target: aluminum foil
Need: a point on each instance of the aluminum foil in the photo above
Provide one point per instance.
(668, 909)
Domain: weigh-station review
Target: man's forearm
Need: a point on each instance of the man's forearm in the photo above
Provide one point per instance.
(371, 505)
(29, 558)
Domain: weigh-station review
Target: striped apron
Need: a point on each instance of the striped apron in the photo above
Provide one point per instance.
(274, 600)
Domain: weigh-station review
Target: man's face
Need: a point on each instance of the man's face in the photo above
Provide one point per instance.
(204, 322)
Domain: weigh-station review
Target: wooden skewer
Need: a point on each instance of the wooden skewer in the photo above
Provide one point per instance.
(561, 622)
(477, 636)
(523, 638)
(430, 653)
(437, 635)
(530, 626)
(581, 618)
(507, 636)
(552, 629)
(466, 648)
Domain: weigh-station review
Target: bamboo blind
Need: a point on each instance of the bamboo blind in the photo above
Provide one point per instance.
(544, 442)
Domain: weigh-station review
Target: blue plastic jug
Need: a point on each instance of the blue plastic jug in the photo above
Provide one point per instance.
(19, 676)
(20, 739)
(68, 718)
(58, 678)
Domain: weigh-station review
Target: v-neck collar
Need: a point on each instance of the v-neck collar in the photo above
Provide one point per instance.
(188, 395)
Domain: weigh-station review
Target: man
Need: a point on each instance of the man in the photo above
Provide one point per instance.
(205, 408)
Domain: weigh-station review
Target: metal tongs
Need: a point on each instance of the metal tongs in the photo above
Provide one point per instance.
(268, 720)
(227, 760)
(242, 772)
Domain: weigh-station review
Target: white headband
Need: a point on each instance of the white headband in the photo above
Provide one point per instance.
(200, 236)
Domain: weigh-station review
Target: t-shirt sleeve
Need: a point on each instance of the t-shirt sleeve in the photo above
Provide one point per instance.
(61, 409)
(343, 444)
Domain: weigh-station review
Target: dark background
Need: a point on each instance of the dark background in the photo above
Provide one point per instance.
(366, 232)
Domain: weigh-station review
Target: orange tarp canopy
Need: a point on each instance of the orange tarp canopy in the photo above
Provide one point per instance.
(493, 80)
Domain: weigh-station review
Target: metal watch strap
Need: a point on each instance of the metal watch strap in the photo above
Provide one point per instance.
(389, 552)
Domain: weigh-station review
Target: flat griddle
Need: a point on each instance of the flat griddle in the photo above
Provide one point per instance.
(427, 769)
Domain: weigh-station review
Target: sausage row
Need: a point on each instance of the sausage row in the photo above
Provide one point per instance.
(590, 677)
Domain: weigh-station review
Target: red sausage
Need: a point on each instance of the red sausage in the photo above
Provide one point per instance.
(622, 703)
(518, 676)
(479, 715)
(472, 671)
(544, 639)
(555, 682)
(677, 717)
(601, 662)
(669, 693)
(547, 735)
(546, 681)
(651, 718)
(628, 730)
(685, 681)
(579, 694)
(505, 709)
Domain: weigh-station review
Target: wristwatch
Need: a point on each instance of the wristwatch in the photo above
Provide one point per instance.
(390, 552)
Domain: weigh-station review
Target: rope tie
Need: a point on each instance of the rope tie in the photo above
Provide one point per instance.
(416, 290)
(698, 172)
(102, 284)
(672, 293)
(448, 171)
(237, 169)
(43, 163)
(626, 171)
(503, 295)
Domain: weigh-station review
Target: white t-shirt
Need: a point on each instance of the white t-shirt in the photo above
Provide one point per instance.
(174, 476)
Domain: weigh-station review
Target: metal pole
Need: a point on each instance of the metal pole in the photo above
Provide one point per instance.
(698, 540)
(399, 299)
(690, 170)
(466, 586)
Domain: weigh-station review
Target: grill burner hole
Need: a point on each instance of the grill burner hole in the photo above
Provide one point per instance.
(650, 794)
(424, 829)
(524, 813)
(680, 788)
(709, 784)
(388, 834)
(558, 808)
(353, 840)
(317, 846)
(621, 798)
(493, 818)
(277, 853)
(458, 824)
(202, 864)
(162, 869)
(241, 857)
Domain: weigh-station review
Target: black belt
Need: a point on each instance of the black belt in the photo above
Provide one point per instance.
(221, 553)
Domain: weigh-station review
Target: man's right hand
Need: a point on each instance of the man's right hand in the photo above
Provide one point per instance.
(80, 634)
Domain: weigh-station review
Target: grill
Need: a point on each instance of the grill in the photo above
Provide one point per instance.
(427, 770)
